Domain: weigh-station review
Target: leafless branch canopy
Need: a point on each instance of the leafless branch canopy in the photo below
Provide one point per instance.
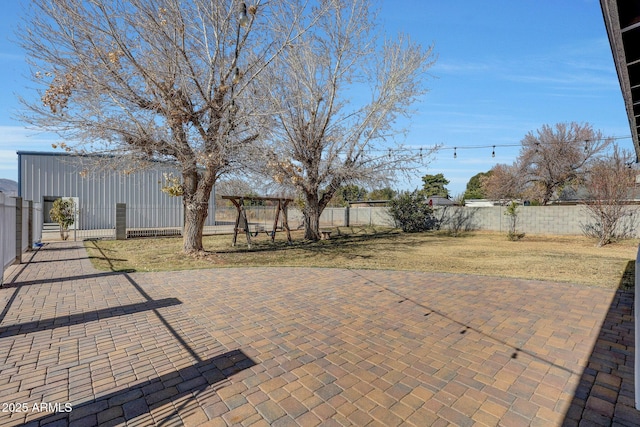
(161, 79)
(164, 78)
(611, 183)
(549, 160)
(337, 94)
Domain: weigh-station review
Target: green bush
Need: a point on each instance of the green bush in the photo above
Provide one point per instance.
(412, 213)
(63, 213)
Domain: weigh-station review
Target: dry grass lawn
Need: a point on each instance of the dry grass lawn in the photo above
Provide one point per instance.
(572, 259)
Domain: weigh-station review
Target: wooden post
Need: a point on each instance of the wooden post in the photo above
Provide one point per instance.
(285, 220)
(241, 219)
(247, 232)
(275, 222)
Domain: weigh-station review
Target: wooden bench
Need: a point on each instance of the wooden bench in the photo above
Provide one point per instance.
(325, 234)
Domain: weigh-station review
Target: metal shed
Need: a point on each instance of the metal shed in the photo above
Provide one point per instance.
(97, 183)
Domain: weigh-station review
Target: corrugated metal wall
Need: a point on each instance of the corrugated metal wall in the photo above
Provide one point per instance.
(99, 183)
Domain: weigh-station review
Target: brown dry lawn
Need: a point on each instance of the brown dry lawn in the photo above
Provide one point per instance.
(572, 259)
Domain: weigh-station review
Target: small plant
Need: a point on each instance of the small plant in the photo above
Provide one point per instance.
(512, 213)
(412, 213)
(63, 213)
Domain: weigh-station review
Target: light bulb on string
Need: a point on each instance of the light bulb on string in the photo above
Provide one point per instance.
(243, 19)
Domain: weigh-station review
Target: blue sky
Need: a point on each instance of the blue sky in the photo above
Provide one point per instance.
(504, 68)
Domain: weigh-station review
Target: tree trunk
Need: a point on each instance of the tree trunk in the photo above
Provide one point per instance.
(195, 214)
(311, 214)
(196, 194)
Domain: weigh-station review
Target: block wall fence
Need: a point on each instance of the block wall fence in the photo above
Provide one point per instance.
(568, 219)
(531, 219)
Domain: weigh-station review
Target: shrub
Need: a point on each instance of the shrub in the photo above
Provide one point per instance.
(63, 213)
(624, 227)
(412, 213)
(608, 182)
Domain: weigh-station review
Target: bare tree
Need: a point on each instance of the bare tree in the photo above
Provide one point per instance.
(502, 182)
(159, 79)
(549, 160)
(610, 182)
(558, 156)
(339, 91)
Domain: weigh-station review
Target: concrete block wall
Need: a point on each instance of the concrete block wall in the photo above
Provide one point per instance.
(568, 220)
(553, 219)
(335, 217)
(534, 219)
(20, 224)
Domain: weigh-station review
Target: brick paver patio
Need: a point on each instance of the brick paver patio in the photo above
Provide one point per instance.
(281, 346)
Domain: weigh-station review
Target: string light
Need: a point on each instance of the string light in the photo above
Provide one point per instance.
(421, 151)
(243, 19)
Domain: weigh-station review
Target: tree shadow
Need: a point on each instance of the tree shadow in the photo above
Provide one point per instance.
(127, 404)
(67, 259)
(338, 241)
(17, 284)
(180, 386)
(89, 316)
(63, 248)
(605, 393)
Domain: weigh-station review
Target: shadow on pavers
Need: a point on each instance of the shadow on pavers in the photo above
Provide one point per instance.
(66, 278)
(125, 405)
(605, 393)
(70, 247)
(88, 316)
(44, 261)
